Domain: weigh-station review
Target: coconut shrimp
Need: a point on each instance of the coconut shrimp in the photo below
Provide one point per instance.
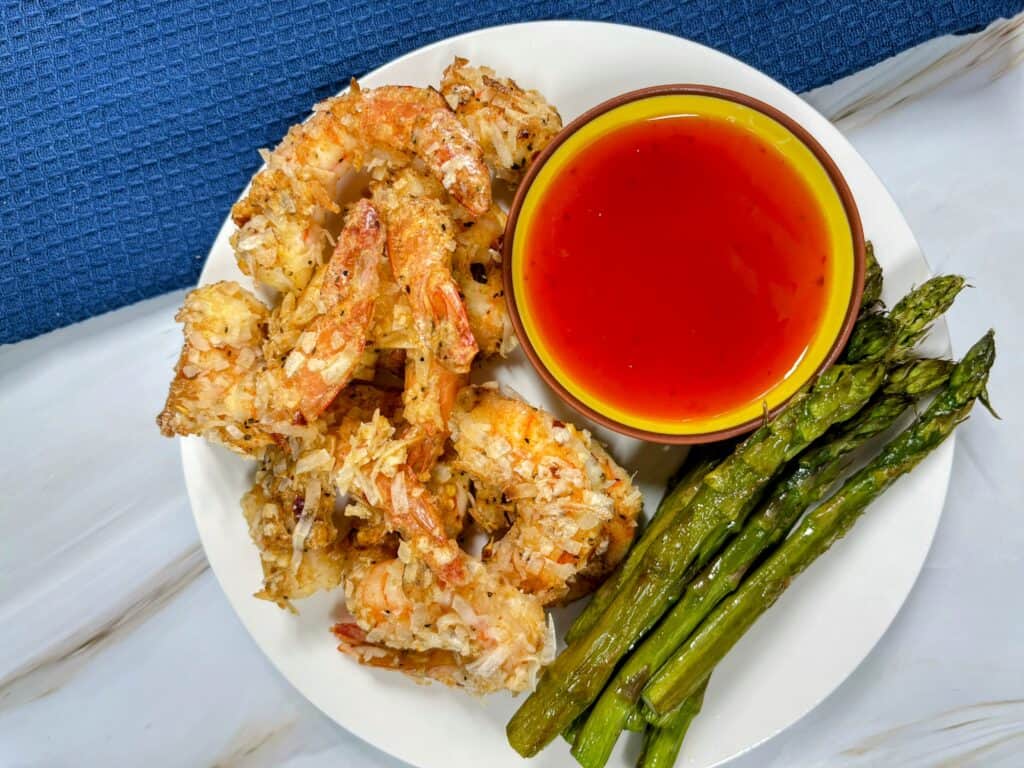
(482, 634)
(374, 227)
(450, 492)
(229, 384)
(432, 597)
(393, 327)
(421, 240)
(285, 219)
(290, 512)
(512, 125)
(476, 266)
(373, 466)
(291, 508)
(340, 302)
(575, 509)
(475, 262)
(444, 666)
(214, 392)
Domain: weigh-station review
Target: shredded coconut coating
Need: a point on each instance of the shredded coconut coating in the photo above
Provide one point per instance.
(373, 226)
(575, 509)
(513, 125)
(285, 219)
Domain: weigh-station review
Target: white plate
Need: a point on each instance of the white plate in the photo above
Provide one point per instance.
(794, 657)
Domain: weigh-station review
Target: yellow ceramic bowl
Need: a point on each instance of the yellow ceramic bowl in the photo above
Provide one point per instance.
(803, 154)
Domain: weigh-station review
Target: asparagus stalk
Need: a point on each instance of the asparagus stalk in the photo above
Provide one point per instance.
(872, 294)
(916, 311)
(573, 729)
(873, 338)
(577, 675)
(877, 336)
(670, 508)
(814, 472)
(634, 721)
(662, 744)
(917, 377)
(680, 677)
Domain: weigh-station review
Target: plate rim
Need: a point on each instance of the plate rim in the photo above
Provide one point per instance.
(944, 453)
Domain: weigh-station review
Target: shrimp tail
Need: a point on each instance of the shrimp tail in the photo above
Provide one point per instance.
(457, 345)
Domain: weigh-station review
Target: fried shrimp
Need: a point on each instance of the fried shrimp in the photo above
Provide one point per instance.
(285, 219)
(575, 509)
(433, 596)
(230, 385)
(373, 236)
(291, 508)
(214, 391)
(481, 634)
(450, 491)
(421, 240)
(512, 125)
(372, 465)
(290, 512)
(475, 262)
(328, 350)
(476, 266)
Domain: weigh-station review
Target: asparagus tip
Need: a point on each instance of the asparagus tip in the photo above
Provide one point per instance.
(988, 342)
(985, 401)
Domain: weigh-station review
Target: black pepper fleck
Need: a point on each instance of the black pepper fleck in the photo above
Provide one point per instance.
(479, 272)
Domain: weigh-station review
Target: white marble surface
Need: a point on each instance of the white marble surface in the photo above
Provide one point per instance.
(118, 648)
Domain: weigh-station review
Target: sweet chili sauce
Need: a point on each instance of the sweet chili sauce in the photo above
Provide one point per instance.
(677, 267)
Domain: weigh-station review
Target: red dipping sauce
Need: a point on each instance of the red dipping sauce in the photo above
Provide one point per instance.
(677, 267)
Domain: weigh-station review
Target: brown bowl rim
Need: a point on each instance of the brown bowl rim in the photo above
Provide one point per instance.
(835, 175)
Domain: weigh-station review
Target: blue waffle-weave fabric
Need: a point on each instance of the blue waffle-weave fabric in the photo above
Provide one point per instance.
(128, 128)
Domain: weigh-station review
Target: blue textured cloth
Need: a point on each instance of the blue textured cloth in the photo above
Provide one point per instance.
(128, 129)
